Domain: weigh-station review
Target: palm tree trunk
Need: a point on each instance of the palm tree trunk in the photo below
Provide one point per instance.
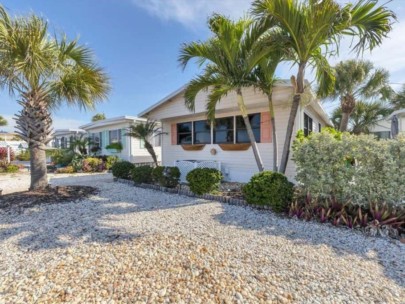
(39, 179)
(344, 123)
(299, 89)
(34, 125)
(273, 128)
(249, 130)
(151, 151)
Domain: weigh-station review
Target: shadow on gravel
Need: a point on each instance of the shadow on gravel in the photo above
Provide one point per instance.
(50, 226)
(341, 241)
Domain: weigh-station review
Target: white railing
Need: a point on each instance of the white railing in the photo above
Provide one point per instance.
(185, 166)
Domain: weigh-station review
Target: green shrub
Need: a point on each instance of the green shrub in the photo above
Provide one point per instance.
(68, 169)
(142, 174)
(122, 169)
(356, 168)
(166, 176)
(204, 180)
(92, 164)
(62, 157)
(115, 146)
(269, 188)
(110, 161)
(24, 155)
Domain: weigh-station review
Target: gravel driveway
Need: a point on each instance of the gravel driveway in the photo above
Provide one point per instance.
(141, 246)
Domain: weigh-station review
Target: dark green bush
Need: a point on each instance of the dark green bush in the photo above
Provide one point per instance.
(269, 188)
(204, 180)
(122, 169)
(166, 176)
(142, 174)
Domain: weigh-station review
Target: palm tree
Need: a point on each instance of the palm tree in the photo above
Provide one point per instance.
(98, 116)
(313, 28)
(79, 144)
(144, 132)
(3, 121)
(265, 80)
(358, 79)
(44, 72)
(398, 101)
(230, 57)
(364, 116)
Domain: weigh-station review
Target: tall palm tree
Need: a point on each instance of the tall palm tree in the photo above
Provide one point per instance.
(146, 131)
(229, 57)
(364, 116)
(3, 121)
(98, 116)
(313, 28)
(265, 81)
(44, 72)
(358, 79)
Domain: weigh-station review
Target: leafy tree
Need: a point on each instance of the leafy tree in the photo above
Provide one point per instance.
(3, 121)
(364, 116)
(398, 101)
(312, 29)
(98, 116)
(144, 132)
(359, 79)
(45, 71)
(230, 56)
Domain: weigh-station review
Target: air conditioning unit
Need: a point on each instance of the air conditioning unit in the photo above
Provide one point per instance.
(185, 166)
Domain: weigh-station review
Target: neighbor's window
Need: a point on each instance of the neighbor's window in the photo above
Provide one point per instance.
(202, 132)
(115, 136)
(319, 127)
(184, 133)
(63, 142)
(383, 134)
(308, 125)
(241, 132)
(141, 143)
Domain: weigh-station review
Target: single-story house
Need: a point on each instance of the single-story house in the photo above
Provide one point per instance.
(382, 129)
(113, 130)
(62, 138)
(191, 141)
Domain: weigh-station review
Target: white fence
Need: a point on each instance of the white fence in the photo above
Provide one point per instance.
(185, 166)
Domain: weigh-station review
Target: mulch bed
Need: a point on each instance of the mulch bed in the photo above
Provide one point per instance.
(52, 195)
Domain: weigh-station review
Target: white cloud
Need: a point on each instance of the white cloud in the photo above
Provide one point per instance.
(58, 123)
(193, 13)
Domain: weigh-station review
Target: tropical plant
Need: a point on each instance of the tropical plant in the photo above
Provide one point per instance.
(364, 116)
(98, 116)
(79, 144)
(110, 161)
(3, 121)
(230, 57)
(358, 79)
(4, 153)
(204, 180)
(115, 146)
(398, 101)
(312, 29)
(166, 176)
(145, 132)
(44, 71)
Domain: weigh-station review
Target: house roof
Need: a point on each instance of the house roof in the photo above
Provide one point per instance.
(400, 112)
(280, 83)
(110, 121)
(67, 131)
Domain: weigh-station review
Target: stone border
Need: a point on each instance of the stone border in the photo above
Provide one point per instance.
(210, 197)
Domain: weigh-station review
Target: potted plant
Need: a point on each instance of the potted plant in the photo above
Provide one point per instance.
(115, 147)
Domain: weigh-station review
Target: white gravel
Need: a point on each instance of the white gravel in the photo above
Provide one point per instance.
(141, 246)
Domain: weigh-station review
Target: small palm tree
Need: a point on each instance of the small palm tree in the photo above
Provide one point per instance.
(358, 79)
(44, 72)
(3, 121)
(80, 144)
(230, 56)
(312, 28)
(364, 116)
(98, 116)
(144, 132)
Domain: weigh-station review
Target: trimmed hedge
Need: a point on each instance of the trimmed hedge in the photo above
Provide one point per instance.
(142, 174)
(166, 176)
(269, 188)
(122, 169)
(204, 180)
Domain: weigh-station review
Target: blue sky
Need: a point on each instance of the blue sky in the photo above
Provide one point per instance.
(137, 42)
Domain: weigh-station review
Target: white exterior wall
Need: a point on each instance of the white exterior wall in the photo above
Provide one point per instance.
(236, 165)
(131, 151)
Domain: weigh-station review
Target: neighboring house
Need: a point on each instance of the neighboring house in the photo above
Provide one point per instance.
(113, 130)
(62, 138)
(383, 127)
(190, 137)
